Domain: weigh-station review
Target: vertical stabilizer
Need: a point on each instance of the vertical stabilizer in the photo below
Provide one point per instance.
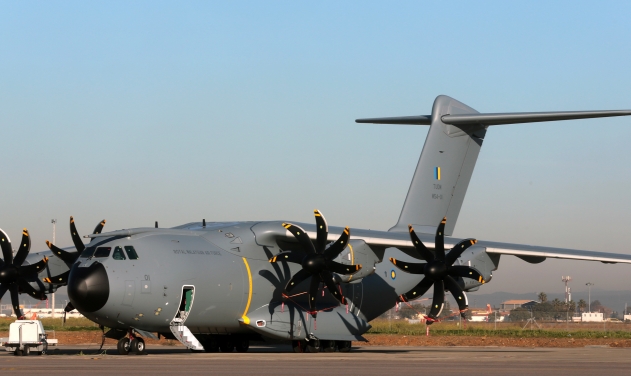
(444, 170)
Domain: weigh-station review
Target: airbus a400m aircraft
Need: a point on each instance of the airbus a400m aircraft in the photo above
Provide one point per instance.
(218, 285)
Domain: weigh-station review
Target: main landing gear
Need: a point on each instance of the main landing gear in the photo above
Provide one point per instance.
(131, 344)
(315, 345)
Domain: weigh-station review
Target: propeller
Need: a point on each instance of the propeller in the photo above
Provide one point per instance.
(317, 261)
(439, 271)
(13, 274)
(69, 258)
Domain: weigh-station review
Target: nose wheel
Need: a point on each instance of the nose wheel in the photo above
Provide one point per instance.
(135, 346)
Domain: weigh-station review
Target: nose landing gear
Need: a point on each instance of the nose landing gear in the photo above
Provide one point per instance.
(131, 344)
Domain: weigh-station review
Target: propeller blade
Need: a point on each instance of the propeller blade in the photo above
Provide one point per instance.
(409, 267)
(465, 272)
(38, 267)
(461, 298)
(61, 279)
(3, 289)
(301, 236)
(338, 268)
(25, 247)
(457, 250)
(420, 247)
(99, 227)
(327, 278)
(289, 256)
(28, 289)
(15, 301)
(438, 301)
(68, 257)
(336, 248)
(5, 244)
(313, 294)
(439, 244)
(296, 279)
(323, 231)
(76, 238)
(418, 290)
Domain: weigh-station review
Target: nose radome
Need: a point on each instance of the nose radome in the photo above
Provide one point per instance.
(88, 288)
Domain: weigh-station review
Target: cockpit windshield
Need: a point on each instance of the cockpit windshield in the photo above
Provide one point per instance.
(102, 252)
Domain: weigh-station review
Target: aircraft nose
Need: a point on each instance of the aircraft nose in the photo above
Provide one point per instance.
(88, 288)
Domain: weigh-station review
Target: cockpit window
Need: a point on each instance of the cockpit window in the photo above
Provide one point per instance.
(88, 252)
(131, 252)
(118, 254)
(102, 252)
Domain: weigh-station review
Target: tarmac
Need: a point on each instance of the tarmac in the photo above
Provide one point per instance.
(375, 360)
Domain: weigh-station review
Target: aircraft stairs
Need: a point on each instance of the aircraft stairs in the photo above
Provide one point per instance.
(184, 335)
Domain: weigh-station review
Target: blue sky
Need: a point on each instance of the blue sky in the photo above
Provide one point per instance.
(143, 111)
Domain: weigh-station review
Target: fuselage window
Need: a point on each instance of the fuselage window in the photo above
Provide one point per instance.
(88, 252)
(118, 254)
(131, 252)
(102, 252)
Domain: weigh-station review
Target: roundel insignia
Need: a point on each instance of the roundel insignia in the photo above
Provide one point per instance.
(393, 274)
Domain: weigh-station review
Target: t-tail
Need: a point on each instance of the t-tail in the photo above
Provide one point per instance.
(451, 149)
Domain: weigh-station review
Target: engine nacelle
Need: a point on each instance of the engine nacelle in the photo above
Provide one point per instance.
(358, 252)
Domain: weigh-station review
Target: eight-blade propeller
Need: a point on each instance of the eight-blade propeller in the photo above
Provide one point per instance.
(317, 262)
(13, 275)
(439, 271)
(70, 257)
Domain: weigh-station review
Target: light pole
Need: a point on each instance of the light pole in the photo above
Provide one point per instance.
(589, 295)
(54, 222)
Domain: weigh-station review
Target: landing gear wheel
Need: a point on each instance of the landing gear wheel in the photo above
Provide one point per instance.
(242, 345)
(123, 346)
(27, 351)
(298, 346)
(343, 346)
(312, 346)
(137, 346)
(226, 346)
(328, 346)
(211, 346)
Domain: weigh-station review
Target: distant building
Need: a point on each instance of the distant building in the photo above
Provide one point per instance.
(517, 303)
(592, 317)
(627, 317)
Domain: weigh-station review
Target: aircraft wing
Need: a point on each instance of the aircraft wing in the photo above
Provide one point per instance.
(538, 252)
(529, 253)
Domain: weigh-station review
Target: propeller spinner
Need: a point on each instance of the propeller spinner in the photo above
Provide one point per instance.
(317, 261)
(439, 271)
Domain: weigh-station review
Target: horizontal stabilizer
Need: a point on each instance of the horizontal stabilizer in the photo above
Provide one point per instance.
(527, 117)
(496, 119)
(407, 120)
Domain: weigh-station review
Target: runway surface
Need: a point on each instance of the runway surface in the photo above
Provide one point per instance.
(278, 360)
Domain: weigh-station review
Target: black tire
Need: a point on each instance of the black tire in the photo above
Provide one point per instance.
(211, 345)
(328, 346)
(137, 346)
(44, 348)
(17, 352)
(123, 346)
(312, 346)
(226, 346)
(242, 345)
(343, 346)
(27, 351)
(297, 346)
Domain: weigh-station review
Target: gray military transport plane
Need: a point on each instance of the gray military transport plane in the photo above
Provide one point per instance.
(218, 285)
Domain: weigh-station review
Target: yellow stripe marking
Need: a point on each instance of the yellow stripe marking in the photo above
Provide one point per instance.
(247, 306)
